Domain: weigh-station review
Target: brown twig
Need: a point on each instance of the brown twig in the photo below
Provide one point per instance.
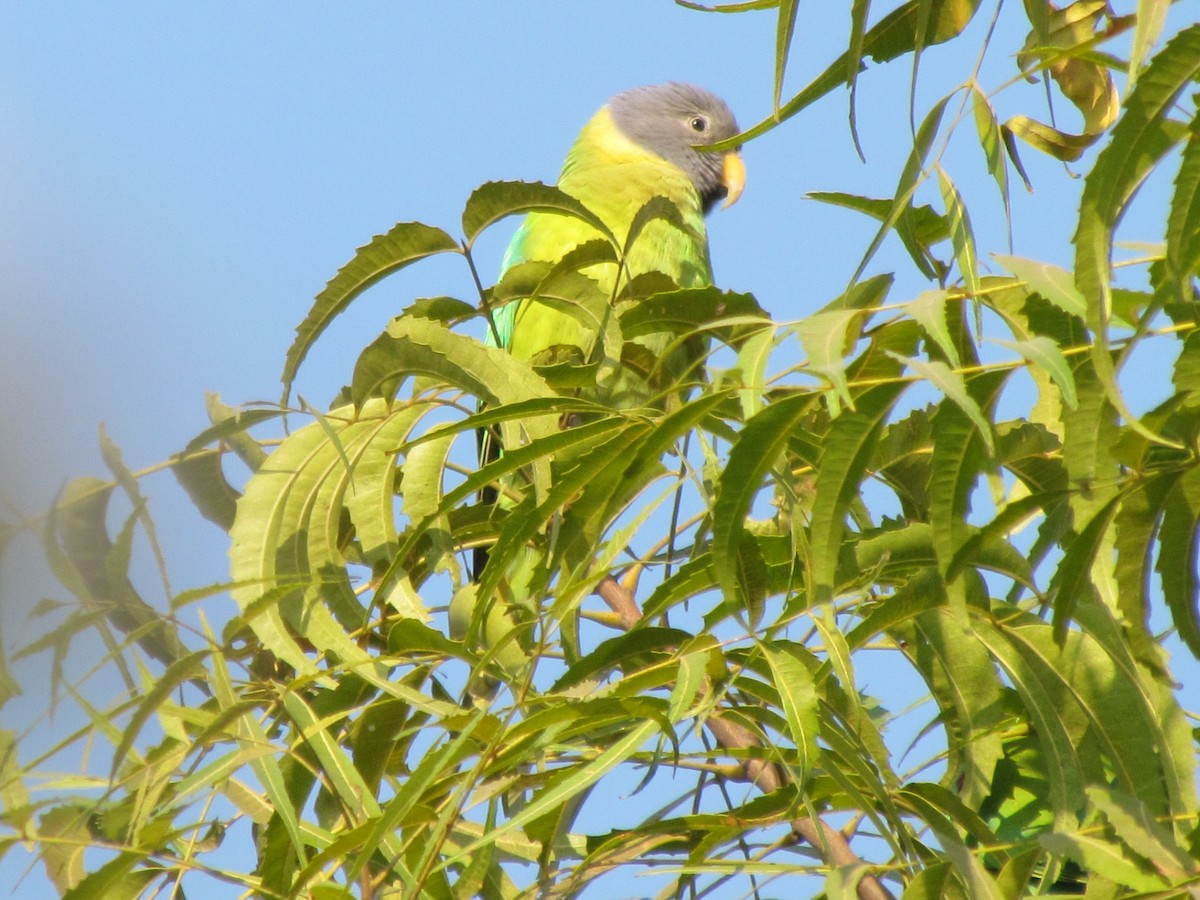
(766, 776)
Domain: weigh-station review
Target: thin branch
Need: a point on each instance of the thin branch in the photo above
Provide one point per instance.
(833, 846)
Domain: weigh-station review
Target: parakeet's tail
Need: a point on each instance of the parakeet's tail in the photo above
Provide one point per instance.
(487, 440)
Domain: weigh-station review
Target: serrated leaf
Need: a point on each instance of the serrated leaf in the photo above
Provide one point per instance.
(754, 453)
(1041, 695)
(496, 200)
(423, 347)
(950, 383)
(957, 461)
(687, 309)
(1141, 138)
(1150, 18)
(785, 26)
(180, 671)
(289, 528)
(827, 337)
(404, 244)
(992, 143)
(1048, 356)
(798, 696)
(573, 780)
(1178, 559)
(1105, 858)
(845, 452)
(1181, 261)
(1141, 832)
(929, 309)
(1053, 283)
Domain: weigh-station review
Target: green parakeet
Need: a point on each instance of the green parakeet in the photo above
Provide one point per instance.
(641, 145)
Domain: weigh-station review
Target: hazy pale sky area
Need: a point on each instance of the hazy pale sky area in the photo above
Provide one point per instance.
(179, 180)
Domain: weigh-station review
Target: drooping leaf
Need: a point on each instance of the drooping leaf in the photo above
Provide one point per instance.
(893, 36)
(1181, 262)
(1142, 136)
(845, 452)
(992, 142)
(756, 451)
(961, 234)
(1178, 558)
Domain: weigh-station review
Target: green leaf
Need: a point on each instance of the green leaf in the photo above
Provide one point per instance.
(496, 200)
(1148, 25)
(784, 28)
(99, 568)
(894, 35)
(1061, 145)
(404, 244)
(1072, 581)
(960, 439)
(688, 309)
(827, 337)
(911, 177)
(975, 878)
(117, 879)
(798, 695)
(571, 781)
(754, 453)
(1178, 558)
(230, 426)
(202, 476)
(1090, 434)
(1141, 832)
(1181, 262)
(961, 677)
(962, 236)
(1053, 283)
(992, 142)
(918, 227)
(288, 534)
(423, 347)
(1140, 139)
(1055, 723)
(1045, 353)
(1102, 857)
(950, 383)
(929, 309)
(845, 452)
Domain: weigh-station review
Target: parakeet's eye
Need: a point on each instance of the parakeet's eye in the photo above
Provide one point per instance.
(699, 123)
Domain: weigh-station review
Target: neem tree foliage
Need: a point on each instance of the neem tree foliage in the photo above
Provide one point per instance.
(374, 723)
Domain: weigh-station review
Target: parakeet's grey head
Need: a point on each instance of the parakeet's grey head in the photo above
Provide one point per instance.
(671, 120)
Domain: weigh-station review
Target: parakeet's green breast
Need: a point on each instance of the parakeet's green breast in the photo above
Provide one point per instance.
(614, 176)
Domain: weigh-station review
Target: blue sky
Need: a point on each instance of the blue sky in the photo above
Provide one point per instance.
(179, 181)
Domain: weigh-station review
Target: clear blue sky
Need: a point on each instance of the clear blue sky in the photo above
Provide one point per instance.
(178, 181)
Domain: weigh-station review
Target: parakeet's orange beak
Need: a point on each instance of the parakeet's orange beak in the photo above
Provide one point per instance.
(733, 176)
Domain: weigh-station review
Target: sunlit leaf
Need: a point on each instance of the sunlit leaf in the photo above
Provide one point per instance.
(1104, 858)
(1139, 140)
(1045, 353)
(498, 199)
(405, 244)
